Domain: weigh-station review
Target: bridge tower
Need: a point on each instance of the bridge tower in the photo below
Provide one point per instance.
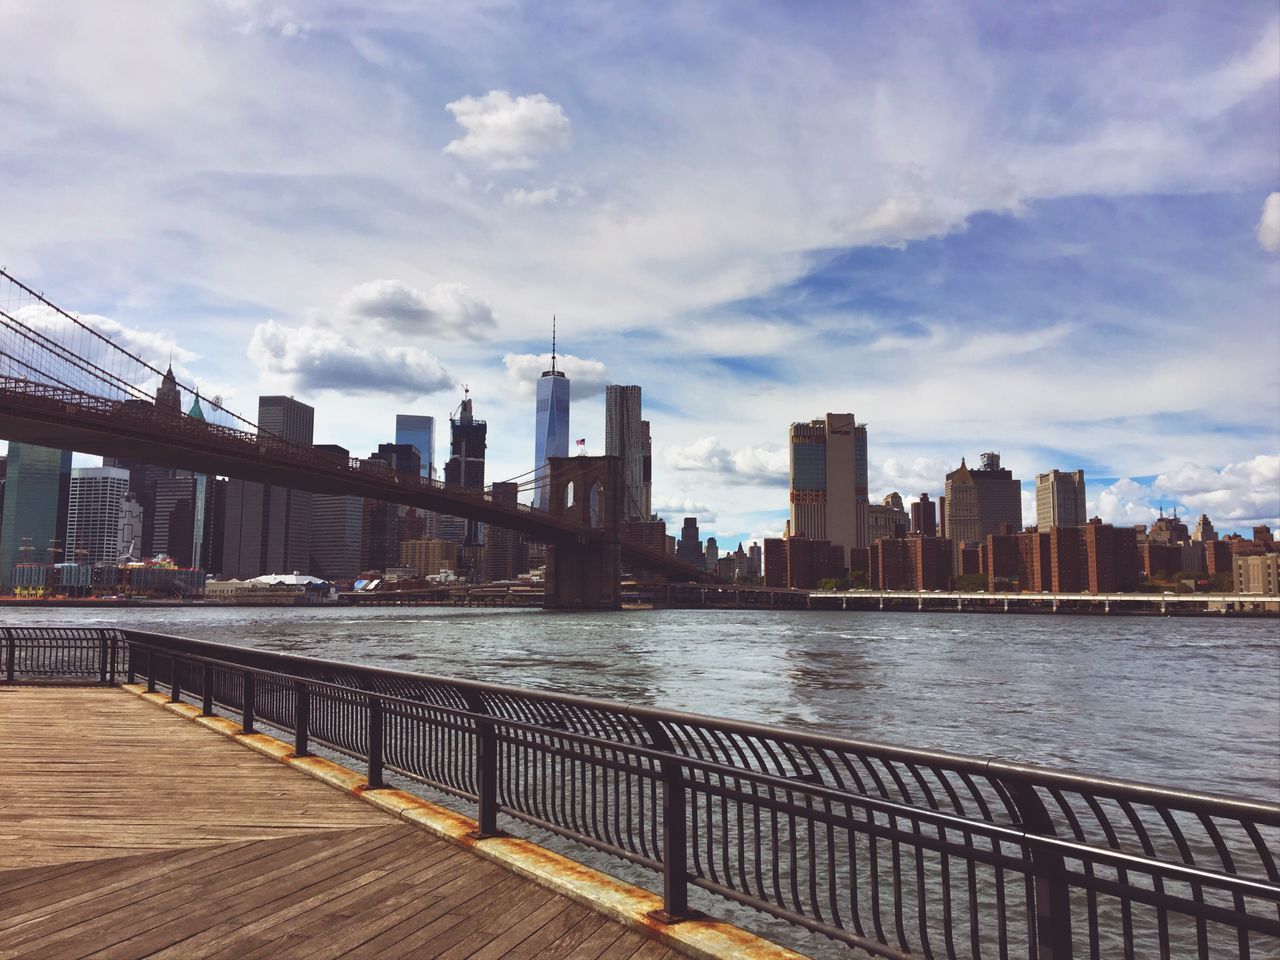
(585, 575)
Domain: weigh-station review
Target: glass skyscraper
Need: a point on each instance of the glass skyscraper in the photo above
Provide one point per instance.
(551, 427)
(421, 432)
(37, 489)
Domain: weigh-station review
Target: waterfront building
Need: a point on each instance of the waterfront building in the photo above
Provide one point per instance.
(129, 540)
(1169, 529)
(828, 481)
(1204, 532)
(465, 467)
(646, 469)
(429, 557)
(96, 498)
(1160, 559)
(1069, 560)
(774, 555)
(624, 437)
(980, 502)
(689, 547)
(168, 397)
(34, 526)
(173, 531)
(754, 559)
(380, 539)
(1060, 499)
(891, 566)
(924, 517)
(337, 529)
(646, 533)
(267, 528)
(942, 516)
(809, 562)
(1113, 561)
(551, 424)
(420, 432)
(712, 552)
(1258, 574)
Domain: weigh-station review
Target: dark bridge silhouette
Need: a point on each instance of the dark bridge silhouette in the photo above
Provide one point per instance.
(63, 384)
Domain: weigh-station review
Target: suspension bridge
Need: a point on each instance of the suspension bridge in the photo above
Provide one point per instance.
(67, 383)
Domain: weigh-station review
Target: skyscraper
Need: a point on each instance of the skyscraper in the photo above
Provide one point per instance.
(337, 525)
(94, 508)
(421, 433)
(689, 547)
(924, 518)
(1060, 499)
(37, 487)
(465, 467)
(380, 540)
(268, 528)
(982, 501)
(551, 423)
(829, 481)
(624, 438)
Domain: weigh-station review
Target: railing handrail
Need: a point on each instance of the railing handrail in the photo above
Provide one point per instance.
(1268, 812)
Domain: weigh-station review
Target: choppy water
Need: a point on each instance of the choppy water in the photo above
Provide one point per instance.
(1193, 702)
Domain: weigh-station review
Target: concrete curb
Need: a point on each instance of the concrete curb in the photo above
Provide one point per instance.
(705, 939)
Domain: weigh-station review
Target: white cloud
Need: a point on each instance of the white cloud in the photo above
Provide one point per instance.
(316, 358)
(508, 132)
(446, 310)
(747, 464)
(587, 378)
(156, 347)
(1269, 224)
(531, 198)
(253, 16)
(674, 510)
(908, 477)
(1239, 494)
(1124, 503)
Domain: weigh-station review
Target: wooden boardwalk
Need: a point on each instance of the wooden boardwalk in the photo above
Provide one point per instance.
(127, 831)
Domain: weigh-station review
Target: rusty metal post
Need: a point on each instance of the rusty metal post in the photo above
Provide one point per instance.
(375, 742)
(102, 659)
(206, 703)
(246, 708)
(1052, 892)
(302, 719)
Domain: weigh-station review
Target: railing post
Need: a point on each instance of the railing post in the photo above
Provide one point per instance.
(486, 736)
(1052, 893)
(131, 672)
(375, 742)
(10, 656)
(151, 671)
(246, 708)
(175, 684)
(675, 842)
(206, 701)
(102, 659)
(111, 662)
(302, 720)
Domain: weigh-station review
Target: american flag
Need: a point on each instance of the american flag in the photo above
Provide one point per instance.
(582, 442)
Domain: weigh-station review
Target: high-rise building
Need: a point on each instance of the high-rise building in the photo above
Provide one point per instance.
(924, 518)
(129, 541)
(429, 557)
(268, 528)
(982, 501)
(551, 424)
(712, 551)
(1060, 499)
(337, 528)
(465, 467)
(94, 507)
(689, 547)
(624, 437)
(419, 432)
(37, 488)
(380, 540)
(1204, 532)
(168, 397)
(829, 481)
(506, 554)
(646, 469)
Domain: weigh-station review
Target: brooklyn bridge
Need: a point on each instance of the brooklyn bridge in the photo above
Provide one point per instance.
(67, 385)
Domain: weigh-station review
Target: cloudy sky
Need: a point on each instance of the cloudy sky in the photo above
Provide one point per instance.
(1051, 231)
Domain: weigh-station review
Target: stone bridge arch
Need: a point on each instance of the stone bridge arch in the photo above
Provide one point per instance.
(586, 575)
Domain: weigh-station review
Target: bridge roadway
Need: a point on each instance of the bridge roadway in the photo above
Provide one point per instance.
(1007, 600)
(128, 831)
(66, 419)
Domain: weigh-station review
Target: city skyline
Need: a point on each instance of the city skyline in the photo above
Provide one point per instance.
(1075, 267)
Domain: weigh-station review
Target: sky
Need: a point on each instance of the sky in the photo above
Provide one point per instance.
(1051, 230)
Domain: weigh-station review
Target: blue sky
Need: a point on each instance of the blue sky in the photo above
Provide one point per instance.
(1051, 231)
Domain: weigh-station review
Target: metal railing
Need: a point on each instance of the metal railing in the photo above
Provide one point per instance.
(898, 851)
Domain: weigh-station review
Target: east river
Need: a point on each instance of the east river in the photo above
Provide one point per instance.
(1192, 702)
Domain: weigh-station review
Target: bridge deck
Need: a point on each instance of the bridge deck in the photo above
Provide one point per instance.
(126, 831)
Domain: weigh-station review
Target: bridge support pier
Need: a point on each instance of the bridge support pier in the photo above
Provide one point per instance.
(585, 575)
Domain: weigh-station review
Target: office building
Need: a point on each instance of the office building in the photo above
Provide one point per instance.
(982, 501)
(465, 467)
(34, 527)
(337, 528)
(551, 424)
(624, 437)
(689, 547)
(1204, 532)
(887, 519)
(1060, 499)
(774, 555)
(418, 432)
(828, 480)
(809, 562)
(429, 558)
(1258, 574)
(924, 517)
(1069, 560)
(506, 554)
(646, 468)
(1169, 529)
(129, 540)
(268, 528)
(95, 503)
(380, 541)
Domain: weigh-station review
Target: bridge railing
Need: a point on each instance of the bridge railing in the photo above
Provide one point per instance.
(898, 851)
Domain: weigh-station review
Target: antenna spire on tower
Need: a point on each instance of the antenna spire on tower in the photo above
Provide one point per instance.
(553, 343)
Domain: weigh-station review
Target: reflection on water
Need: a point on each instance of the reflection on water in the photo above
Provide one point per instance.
(1193, 702)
